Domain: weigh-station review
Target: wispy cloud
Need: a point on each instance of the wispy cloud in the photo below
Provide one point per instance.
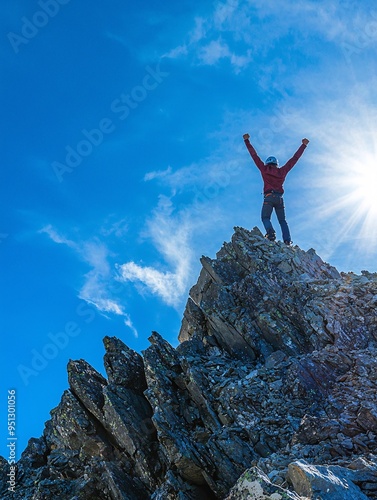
(96, 287)
(240, 31)
(115, 227)
(56, 237)
(118, 38)
(157, 173)
(211, 38)
(128, 322)
(171, 237)
(216, 50)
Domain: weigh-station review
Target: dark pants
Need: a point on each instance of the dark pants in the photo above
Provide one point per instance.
(275, 201)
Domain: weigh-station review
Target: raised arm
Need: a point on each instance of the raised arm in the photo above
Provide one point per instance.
(292, 162)
(258, 162)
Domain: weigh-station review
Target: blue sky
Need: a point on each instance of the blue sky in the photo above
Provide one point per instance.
(123, 162)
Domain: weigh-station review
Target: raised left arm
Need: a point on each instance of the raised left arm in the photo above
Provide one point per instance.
(292, 162)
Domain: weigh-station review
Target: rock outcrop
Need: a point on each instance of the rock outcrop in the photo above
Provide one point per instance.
(271, 394)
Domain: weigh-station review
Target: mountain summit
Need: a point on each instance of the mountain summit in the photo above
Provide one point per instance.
(271, 393)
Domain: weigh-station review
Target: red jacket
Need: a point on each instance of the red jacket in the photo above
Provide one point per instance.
(274, 177)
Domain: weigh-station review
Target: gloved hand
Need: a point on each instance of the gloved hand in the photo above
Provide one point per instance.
(305, 141)
(245, 136)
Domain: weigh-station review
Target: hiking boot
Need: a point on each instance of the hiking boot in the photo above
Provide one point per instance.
(288, 243)
(270, 236)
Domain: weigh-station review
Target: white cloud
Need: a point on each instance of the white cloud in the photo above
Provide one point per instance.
(332, 21)
(224, 12)
(240, 30)
(157, 173)
(117, 228)
(199, 31)
(94, 292)
(128, 322)
(56, 237)
(168, 285)
(206, 44)
(171, 236)
(214, 51)
(177, 52)
(98, 281)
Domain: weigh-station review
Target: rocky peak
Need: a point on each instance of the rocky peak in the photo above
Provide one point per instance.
(271, 393)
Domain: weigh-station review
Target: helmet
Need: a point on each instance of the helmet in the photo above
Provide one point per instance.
(271, 160)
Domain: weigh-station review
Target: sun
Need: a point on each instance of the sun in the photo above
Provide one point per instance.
(360, 182)
(364, 182)
(356, 205)
(344, 187)
(335, 208)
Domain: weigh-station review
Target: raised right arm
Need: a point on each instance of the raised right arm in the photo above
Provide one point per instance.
(258, 162)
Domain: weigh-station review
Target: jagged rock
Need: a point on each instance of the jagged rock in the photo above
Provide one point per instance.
(271, 393)
(255, 485)
(124, 366)
(324, 482)
(88, 385)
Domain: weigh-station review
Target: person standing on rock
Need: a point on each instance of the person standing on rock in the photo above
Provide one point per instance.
(273, 178)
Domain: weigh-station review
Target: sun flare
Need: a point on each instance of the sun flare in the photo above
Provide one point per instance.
(359, 189)
(366, 187)
(347, 182)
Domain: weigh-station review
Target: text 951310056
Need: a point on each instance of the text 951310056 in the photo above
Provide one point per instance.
(12, 439)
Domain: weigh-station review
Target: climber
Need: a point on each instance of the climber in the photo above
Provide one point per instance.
(273, 178)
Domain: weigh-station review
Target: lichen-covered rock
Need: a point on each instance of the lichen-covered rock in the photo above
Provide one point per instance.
(271, 394)
(255, 485)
